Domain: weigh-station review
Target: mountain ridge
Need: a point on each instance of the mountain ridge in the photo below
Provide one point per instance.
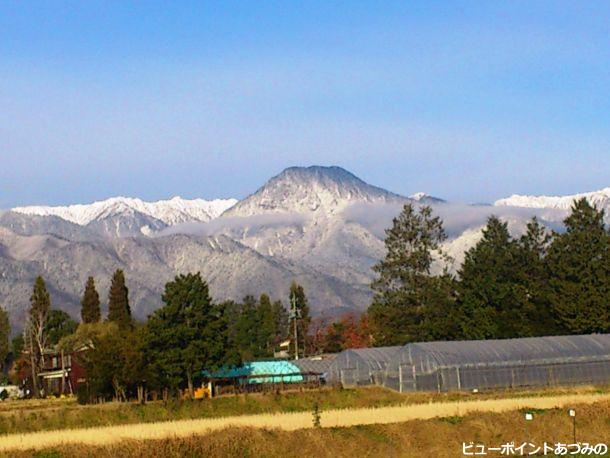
(169, 211)
(561, 202)
(321, 226)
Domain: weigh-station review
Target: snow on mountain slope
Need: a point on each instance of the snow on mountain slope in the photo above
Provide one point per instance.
(601, 199)
(321, 239)
(309, 190)
(320, 226)
(426, 199)
(231, 269)
(170, 212)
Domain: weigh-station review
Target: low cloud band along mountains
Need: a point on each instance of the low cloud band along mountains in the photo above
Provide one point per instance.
(320, 226)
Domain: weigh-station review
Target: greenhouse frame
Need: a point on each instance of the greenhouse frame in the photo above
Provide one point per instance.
(487, 364)
(361, 366)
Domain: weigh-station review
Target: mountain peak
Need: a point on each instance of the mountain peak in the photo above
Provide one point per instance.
(424, 198)
(310, 189)
(331, 171)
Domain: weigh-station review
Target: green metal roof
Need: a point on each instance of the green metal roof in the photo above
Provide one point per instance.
(261, 372)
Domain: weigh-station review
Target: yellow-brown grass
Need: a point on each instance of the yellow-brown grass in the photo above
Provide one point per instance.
(45, 415)
(433, 438)
(286, 422)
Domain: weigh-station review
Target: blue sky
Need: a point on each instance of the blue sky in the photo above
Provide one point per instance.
(470, 101)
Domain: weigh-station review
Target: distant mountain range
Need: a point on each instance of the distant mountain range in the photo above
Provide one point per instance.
(125, 216)
(321, 226)
(601, 199)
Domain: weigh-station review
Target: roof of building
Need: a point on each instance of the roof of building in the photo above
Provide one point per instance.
(315, 364)
(375, 358)
(260, 372)
(429, 355)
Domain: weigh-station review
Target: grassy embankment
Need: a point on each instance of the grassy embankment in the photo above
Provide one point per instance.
(441, 437)
(45, 415)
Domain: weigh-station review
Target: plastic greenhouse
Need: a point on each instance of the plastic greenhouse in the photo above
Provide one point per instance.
(361, 366)
(482, 364)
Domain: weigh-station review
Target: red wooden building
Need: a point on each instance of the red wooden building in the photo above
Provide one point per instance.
(63, 372)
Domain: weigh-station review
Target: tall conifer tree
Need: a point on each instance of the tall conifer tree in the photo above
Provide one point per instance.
(188, 334)
(90, 310)
(408, 300)
(579, 264)
(247, 329)
(266, 326)
(118, 302)
(280, 319)
(40, 300)
(491, 299)
(533, 277)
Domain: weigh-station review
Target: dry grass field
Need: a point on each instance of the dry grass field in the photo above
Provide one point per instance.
(431, 438)
(45, 415)
(338, 418)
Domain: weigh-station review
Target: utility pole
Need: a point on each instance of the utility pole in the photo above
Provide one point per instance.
(294, 315)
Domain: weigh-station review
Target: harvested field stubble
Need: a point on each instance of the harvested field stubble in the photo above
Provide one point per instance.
(44, 415)
(291, 421)
(416, 439)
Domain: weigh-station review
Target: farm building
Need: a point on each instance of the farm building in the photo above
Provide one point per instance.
(257, 372)
(361, 366)
(62, 373)
(315, 364)
(258, 375)
(484, 364)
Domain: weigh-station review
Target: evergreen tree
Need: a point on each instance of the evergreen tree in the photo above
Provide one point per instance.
(280, 322)
(118, 302)
(534, 278)
(255, 328)
(5, 332)
(188, 334)
(90, 310)
(247, 329)
(231, 312)
(491, 299)
(266, 326)
(59, 324)
(438, 316)
(579, 265)
(40, 300)
(303, 319)
(406, 296)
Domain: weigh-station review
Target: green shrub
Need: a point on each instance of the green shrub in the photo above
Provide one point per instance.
(82, 394)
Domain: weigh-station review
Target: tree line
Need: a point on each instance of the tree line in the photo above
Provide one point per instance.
(541, 283)
(123, 358)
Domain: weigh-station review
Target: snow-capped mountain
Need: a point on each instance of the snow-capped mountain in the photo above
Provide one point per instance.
(310, 190)
(601, 199)
(321, 226)
(426, 199)
(172, 211)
